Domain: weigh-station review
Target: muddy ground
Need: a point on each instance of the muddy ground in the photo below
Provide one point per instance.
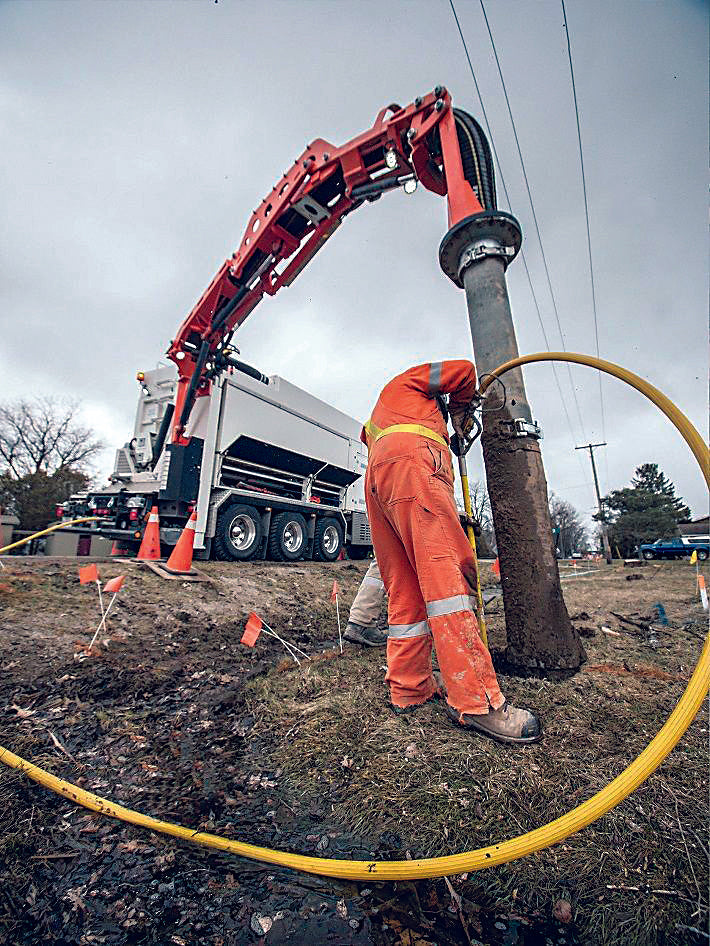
(173, 717)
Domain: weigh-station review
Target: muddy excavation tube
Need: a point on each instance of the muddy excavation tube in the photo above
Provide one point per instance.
(559, 829)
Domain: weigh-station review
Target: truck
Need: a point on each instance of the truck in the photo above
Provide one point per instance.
(677, 547)
(272, 472)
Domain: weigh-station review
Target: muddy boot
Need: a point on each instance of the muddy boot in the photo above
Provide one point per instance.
(507, 724)
(369, 636)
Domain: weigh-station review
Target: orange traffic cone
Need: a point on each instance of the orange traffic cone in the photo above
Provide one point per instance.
(495, 568)
(180, 561)
(150, 546)
(119, 548)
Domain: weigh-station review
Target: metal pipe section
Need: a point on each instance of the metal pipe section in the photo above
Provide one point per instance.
(538, 628)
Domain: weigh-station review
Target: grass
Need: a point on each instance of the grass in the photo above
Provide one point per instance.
(638, 875)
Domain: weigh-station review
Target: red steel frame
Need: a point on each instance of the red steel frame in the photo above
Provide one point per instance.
(404, 131)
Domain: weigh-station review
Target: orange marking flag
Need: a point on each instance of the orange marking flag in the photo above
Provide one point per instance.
(495, 568)
(703, 591)
(115, 584)
(252, 630)
(87, 574)
(335, 592)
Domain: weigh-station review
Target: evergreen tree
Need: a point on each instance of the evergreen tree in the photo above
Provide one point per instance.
(645, 511)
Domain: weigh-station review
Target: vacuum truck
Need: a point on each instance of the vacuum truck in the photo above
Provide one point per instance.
(272, 472)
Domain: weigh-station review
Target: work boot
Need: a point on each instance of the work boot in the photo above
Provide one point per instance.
(507, 724)
(369, 636)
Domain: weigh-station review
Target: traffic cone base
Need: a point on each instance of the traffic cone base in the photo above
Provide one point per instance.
(150, 546)
(180, 561)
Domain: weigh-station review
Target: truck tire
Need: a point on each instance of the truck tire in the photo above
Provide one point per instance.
(328, 540)
(238, 534)
(647, 554)
(702, 555)
(358, 552)
(288, 537)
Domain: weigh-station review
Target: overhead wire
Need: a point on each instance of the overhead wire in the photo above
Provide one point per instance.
(586, 217)
(501, 177)
(534, 214)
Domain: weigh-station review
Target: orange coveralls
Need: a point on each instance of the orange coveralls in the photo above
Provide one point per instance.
(425, 559)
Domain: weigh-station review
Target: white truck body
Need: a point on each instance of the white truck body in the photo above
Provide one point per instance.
(273, 446)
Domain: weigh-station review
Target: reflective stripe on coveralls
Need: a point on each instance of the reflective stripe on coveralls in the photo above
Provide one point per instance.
(424, 556)
(436, 609)
(409, 630)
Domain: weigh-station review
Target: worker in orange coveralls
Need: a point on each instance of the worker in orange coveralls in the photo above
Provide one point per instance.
(425, 559)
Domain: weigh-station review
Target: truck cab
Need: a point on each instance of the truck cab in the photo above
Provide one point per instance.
(675, 548)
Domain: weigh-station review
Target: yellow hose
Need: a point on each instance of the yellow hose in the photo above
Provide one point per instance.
(557, 830)
(62, 525)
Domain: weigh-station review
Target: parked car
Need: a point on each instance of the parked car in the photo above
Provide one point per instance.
(674, 548)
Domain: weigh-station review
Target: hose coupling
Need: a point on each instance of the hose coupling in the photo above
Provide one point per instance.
(518, 427)
(481, 249)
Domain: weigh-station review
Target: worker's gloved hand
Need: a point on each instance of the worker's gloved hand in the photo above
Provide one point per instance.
(462, 420)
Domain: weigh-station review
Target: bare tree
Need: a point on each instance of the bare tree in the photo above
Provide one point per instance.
(481, 509)
(45, 456)
(572, 535)
(43, 435)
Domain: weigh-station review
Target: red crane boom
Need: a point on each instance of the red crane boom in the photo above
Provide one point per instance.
(427, 141)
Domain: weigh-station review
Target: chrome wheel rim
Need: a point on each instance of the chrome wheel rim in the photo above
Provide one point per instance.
(331, 539)
(242, 532)
(293, 536)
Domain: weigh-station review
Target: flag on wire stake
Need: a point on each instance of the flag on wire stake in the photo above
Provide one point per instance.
(253, 628)
(703, 592)
(113, 586)
(87, 575)
(334, 598)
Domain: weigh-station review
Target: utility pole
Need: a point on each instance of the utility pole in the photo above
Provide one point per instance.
(475, 254)
(602, 516)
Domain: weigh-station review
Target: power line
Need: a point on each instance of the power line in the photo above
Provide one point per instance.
(507, 197)
(534, 215)
(586, 216)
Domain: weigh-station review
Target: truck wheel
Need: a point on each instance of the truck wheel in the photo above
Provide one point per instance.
(328, 540)
(702, 555)
(238, 533)
(288, 537)
(358, 552)
(647, 554)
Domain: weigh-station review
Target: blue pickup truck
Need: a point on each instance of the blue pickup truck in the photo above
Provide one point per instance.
(675, 548)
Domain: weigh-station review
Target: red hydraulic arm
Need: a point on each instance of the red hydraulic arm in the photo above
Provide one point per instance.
(422, 142)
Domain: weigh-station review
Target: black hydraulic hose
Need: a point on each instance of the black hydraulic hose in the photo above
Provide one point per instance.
(247, 369)
(194, 382)
(223, 314)
(476, 158)
(218, 322)
(162, 434)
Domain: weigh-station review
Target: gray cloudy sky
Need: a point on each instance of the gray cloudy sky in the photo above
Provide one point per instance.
(138, 137)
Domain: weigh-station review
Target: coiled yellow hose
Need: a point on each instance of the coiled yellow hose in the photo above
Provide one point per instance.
(559, 829)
